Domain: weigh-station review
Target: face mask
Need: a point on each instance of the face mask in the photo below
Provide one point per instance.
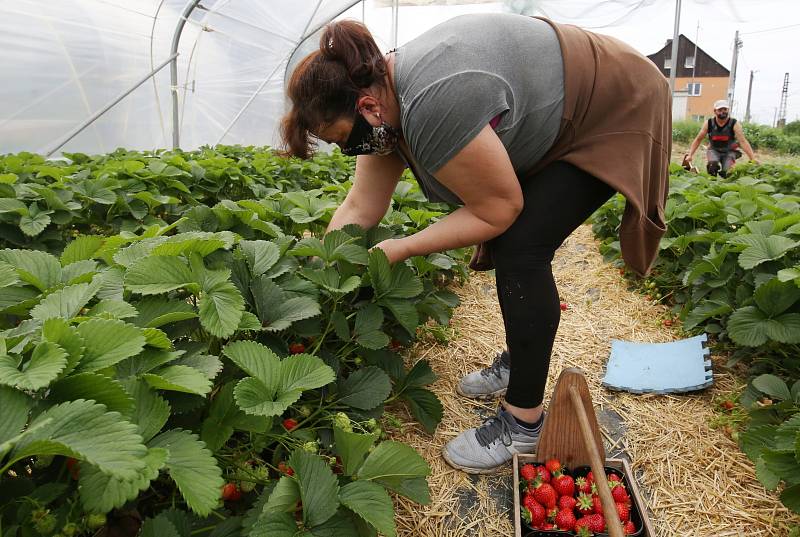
(365, 139)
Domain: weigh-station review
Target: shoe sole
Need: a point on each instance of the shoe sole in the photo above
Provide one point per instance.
(474, 471)
(480, 396)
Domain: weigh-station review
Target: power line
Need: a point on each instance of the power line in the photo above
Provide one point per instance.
(771, 29)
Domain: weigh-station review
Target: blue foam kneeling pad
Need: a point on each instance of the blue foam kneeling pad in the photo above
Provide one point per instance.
(677, 366)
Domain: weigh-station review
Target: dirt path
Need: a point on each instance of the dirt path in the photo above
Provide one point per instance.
(697, 481)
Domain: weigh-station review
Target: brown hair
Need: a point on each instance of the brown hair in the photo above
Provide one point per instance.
(326, 84)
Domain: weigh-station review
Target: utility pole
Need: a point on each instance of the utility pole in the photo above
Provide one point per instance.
(749, 94)
(737, 44)
(694, 57)
(673, 68)
(781, 123)
(395, 17)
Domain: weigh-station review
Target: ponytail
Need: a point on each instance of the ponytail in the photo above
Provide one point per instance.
(326, 84)
(350, 43)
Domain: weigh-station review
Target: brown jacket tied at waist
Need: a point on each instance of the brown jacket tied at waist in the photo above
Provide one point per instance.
(616, 126)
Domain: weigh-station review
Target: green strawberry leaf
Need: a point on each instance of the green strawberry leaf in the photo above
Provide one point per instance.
(371, 502)
(391, 463)
(179, 378)
(155, 311)
(260, 255)
(276, 309)
(157, 275)
(38, 269)
(108, 341)
(193, 468)
(46, 362)
(760, 249)
(85, 431)
(367, 333)
(14, 416)
(100, 493)
(150, 412)
(775, 297)
(365, 388)
(773, 386)
(425, 407)
(64, 303)
(318, 487)
(221, 309)
(352, 448)
(83, 247)
(99, 388)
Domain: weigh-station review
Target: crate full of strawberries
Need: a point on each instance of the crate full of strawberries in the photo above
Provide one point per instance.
(555, 501)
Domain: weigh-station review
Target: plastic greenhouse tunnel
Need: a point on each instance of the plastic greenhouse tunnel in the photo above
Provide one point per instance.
(94, 75)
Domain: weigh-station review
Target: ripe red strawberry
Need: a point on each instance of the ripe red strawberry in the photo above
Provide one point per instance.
(597, 524)
(289, 424)
(667, 322)
(285, 468)
(623, 511)
(613, 477)
(74, 468)
(297, 348)
(567, 502)
(628, 528)
(583, 485)
(590, 477)
(528, 500)
(619, 494)
(597, 506)
(564, 485)
(528, 472)
(564, 306)
(545, 494)
(565, 519)
(543, 473)
(727, 405)
(585, 505)
(548, 526)
(230, 492)
(582, 527)
(538, 514)
(553, 466)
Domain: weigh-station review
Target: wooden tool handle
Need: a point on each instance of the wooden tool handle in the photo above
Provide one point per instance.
(613, 525)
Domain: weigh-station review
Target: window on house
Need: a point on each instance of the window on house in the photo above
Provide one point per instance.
(667, 63)
(698, 117)
(694, 88)
(689, 62)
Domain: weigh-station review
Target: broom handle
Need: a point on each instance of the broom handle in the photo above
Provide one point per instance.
(613, 525)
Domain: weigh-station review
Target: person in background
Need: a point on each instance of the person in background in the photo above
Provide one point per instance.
(725, 137)
(527, 127)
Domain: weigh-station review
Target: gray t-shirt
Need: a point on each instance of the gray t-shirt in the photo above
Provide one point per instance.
(453, 79)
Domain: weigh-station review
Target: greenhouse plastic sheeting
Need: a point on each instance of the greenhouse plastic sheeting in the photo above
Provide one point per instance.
(63, 60)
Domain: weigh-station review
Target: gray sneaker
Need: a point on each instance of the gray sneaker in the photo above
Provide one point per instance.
(486, 449)
(487, 382)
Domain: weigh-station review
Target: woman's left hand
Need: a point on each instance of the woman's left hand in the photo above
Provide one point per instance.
(395, 250)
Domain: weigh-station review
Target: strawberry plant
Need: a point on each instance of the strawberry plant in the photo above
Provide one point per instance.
(183, 349)
(729, 265)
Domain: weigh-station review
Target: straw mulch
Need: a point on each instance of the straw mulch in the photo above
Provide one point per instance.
(696, 481)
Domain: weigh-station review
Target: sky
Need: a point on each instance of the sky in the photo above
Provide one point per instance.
(768, 29)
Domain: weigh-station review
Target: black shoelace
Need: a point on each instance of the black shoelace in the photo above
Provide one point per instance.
(494, 369)
(493, 428)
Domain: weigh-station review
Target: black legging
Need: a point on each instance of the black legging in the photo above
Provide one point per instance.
(557, 200)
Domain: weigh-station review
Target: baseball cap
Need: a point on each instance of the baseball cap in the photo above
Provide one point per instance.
(722, 103)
